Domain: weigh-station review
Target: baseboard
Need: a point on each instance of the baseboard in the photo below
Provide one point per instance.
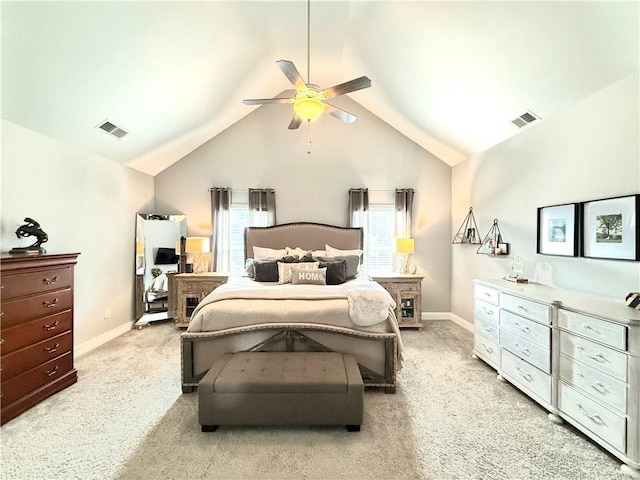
(435, 316)
(95, 342)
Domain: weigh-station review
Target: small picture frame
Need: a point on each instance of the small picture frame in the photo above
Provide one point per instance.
(610, 228)
(558, 230)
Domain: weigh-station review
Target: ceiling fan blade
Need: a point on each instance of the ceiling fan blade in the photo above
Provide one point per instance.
(291, 72)
(263, 101)
(295, 122)
(347, 87)
(346, 117)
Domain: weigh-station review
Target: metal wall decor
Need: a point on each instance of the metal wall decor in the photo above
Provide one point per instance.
(468, 231)
(493, 244)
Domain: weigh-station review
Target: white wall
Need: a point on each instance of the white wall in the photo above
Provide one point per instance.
(259, 151)
(85, 204)
(588, 152)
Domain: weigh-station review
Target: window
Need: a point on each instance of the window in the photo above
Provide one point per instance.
(239, 220)
(379, 238)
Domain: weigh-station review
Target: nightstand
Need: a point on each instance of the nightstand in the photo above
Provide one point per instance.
(190, 288)
(406, 290)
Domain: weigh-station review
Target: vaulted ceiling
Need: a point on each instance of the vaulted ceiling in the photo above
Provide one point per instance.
(451, 76)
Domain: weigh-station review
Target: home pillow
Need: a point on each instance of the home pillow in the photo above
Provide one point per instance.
(263, 253)
(266, 270)
(284, 270)
(313, 276)
(336, 271)
(335, 252)
(352, 263)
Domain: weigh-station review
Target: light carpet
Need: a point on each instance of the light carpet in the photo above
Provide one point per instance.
(450, 419)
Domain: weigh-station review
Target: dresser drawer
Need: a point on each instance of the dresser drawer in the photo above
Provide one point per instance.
(18, 311)
(526, 376)
(537, 355)
(487, 294)
(595, 383)
(35, 282)
(609, 333)
(17, 387)
(595, 355)
(27, 358)
(534, 332)
(487, 310)
(487, 349)
(35, 331)
(605, 423)
(526, 308)
(487, 328)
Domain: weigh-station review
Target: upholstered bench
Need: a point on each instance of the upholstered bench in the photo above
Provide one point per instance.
(281, 388)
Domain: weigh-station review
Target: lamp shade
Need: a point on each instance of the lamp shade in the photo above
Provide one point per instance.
(308, 108)
(405, 245)
(197, 245)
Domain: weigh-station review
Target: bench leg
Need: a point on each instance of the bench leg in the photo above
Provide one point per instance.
(353, 428)
(209, 428)
(188, 389)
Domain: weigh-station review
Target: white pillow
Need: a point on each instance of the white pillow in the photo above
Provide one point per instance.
(263, 253)
(334, 252)
(284, 270)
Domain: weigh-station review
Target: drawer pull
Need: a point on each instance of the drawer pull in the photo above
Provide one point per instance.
(51, 373)
(525, 351)
(51, 349)
(598, 357)
(526, 376)
(523, 308)
(591, 416)
(52, 326)
(597, 386)
(487, 294)
(488, 312)
(488, 329)
(50, 281)
(488, 349)
(586, 326)
(51, 304)
(525, 329)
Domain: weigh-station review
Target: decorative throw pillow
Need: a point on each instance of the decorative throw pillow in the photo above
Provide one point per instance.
(284, 270)
(336, 271)
(249, 268)
(314, 276)
(352, 263)
(263, 253)
(335, 252)
(266, 270)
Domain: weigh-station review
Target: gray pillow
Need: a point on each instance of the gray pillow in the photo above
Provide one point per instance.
(314, 276)
(336, 271)
(266, 270)
(352, 262)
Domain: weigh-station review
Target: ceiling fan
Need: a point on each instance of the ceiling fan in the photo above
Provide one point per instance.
(309, 100)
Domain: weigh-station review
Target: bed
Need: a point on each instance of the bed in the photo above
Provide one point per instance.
(252, 315)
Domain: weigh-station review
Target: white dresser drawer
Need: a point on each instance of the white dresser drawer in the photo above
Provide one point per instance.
(597, 384)
(526, 376)
(605, 423)
(487, 349)
(487, 310)
(595, 355)
(535, 354)
(487, 328)
(487, 294)
(530, 330)
(601, 330)
(527, 308)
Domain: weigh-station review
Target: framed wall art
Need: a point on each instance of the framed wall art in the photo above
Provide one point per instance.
(558, 232)
(610, 228)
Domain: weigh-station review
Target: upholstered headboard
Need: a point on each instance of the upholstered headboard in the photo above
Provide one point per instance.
(306, 235)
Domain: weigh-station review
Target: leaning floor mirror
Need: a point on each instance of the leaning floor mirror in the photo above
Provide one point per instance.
(157, 260)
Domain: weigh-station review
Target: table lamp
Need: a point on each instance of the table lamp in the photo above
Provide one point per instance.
(404, 247)
(198, 246)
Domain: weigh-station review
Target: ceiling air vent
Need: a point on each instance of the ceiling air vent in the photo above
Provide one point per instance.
(525, 119)
(112, 129)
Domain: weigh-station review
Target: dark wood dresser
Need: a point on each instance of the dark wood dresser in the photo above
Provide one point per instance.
(36, 329)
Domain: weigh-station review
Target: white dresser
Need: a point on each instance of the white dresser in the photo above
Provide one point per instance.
(577, 355)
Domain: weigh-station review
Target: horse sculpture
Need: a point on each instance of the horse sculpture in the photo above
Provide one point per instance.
(31, 229)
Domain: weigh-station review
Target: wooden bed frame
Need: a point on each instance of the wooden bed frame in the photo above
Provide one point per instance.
(376, 353)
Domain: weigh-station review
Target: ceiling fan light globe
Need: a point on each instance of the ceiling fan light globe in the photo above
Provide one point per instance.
(308, 108)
